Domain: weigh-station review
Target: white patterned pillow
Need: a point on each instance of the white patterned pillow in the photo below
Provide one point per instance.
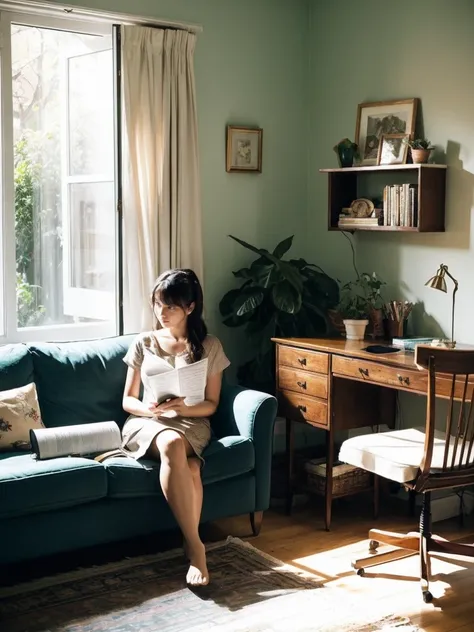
(19, 412)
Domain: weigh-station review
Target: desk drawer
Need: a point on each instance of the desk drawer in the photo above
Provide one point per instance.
(303, 382)
(303, 359)
(302, 408)
(406, 379)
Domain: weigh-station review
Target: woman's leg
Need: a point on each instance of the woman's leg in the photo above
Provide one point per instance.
(195, 466)
(179, 487)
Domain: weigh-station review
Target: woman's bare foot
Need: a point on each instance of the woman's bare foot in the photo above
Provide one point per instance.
(197, 575)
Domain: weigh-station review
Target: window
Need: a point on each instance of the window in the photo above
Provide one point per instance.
(59, 220)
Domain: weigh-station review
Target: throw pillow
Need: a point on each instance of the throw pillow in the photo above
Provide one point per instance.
(19, 412)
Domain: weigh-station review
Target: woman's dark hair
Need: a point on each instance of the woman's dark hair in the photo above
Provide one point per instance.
(181, 288)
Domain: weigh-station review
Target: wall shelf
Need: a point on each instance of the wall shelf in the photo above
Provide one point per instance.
(347, 184)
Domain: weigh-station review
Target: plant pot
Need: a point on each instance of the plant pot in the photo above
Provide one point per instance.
(346, 156)
(355, 329)
(420, 156)
(337, 324)
(376, 325)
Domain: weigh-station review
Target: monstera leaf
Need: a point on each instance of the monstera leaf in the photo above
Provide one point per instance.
(276, 298)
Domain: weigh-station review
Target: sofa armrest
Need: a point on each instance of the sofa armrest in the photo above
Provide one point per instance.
(250, 414)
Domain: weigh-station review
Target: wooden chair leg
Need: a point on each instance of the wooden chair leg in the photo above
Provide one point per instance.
(376, 496)
(425, 537)
(407, 544)
(408, 541)
(256, 518)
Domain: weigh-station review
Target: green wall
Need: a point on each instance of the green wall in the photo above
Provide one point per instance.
(382, 51)
(251, 70)
(376, 50)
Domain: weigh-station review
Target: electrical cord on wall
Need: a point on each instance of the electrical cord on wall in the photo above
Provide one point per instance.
(349, 239)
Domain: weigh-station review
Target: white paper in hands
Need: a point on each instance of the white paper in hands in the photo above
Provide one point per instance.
(188, 381)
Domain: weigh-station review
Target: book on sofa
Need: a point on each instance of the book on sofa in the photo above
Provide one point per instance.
(101, 438)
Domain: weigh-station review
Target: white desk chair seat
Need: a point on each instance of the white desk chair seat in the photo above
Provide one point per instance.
(397, 455)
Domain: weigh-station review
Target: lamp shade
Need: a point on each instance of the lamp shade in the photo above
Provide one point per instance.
(438, 282)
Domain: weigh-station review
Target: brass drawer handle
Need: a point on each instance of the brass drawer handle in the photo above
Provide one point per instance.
(302, 408)
(403, 380)
(364, 371)
(302, 361)
(302, 385)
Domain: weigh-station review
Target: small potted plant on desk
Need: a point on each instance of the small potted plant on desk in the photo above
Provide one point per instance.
(420, 149)
(354, 310)
(360, 303)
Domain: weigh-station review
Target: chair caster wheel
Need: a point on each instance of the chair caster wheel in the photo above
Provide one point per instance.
(361, 572)
(427, 596)
(373, 545)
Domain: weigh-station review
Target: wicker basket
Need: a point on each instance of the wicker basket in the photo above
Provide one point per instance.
(346, 479)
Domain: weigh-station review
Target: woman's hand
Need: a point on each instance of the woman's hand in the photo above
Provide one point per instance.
(175, 405)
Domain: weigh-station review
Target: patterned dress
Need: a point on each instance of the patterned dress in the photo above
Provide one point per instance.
(146, 354)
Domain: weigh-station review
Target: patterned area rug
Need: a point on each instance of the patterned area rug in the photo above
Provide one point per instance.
(249, 592)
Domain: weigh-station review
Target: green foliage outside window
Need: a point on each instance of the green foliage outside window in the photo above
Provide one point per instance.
(30, 312)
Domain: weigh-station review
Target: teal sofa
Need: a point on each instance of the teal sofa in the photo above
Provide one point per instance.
(62, 504)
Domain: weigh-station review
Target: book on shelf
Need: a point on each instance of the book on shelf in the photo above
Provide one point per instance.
(409, 344)
(400, 205)
(346, 220)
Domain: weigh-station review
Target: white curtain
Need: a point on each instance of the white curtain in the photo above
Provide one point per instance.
(161, 191)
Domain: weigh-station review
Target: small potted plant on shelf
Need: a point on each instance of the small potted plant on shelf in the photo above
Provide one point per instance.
(347, 152)
(420, 149)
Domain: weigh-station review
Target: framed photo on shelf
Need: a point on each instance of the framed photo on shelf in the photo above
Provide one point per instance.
(382, 118)
(393, 149)
(244, 149)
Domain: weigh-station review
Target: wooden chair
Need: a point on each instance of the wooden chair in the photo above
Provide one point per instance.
(424, 459)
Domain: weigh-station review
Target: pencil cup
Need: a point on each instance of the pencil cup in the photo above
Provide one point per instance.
(397, 314)
(395, 328)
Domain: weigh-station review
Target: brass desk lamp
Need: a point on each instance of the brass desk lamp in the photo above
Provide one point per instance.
(438, 282)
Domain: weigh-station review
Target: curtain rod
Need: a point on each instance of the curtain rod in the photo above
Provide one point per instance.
(93, 15)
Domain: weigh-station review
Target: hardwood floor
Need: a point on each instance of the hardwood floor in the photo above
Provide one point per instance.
(393, 587)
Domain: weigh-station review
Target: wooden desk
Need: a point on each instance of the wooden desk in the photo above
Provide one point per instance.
(334, 384)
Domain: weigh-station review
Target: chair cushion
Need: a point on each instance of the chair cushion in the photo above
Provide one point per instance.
(395, 455)
(29, 486)
(227, 457)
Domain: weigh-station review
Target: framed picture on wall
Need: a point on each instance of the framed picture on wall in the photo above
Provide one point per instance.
(393, 149)
(375, 120)
(244, 149)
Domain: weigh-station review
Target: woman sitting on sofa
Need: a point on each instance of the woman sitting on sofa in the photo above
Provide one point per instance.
(171, 431)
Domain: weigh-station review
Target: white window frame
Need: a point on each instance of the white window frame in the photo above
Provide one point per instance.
(48, 15)
(10, 332)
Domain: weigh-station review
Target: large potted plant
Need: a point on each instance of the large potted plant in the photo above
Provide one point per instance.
(276, 298)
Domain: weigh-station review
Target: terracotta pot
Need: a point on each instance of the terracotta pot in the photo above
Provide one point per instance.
(376, 325)
(420, 156)
(335, 319)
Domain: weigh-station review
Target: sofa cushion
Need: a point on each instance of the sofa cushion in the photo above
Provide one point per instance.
(225, 458)
(81, 382)
(228, 457)
(128, 478)
(29, 486)
(16, 366)
(19, 413)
